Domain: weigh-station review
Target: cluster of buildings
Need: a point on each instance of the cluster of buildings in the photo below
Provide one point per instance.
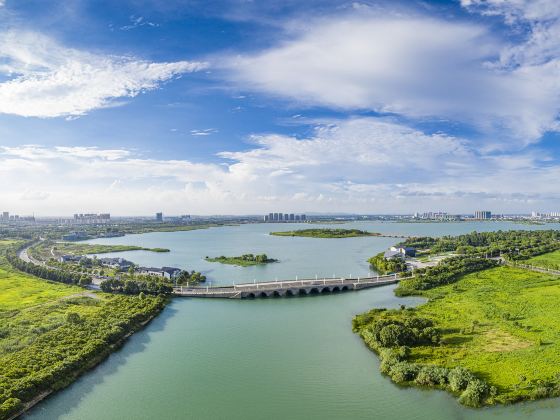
(551, 215)
(442, 215)
(7, 217)
(284, 217)
(121, 264)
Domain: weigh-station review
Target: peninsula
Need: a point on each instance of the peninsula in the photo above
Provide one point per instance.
(488, 332)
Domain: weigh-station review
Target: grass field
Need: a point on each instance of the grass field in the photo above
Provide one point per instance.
(51, 332)
(503, 324)
(518, 331)
(550, 260)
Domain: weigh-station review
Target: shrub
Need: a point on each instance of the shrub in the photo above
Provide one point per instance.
(404, 372)
(10, 407)
(459, 378)
(474, 394)
(432, 375)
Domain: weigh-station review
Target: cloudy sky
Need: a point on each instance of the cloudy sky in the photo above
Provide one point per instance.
(251, 106)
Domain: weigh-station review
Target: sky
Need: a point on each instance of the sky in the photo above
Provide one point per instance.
(253, 106)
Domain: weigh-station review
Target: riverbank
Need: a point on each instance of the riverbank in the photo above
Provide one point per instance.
(89, 366)
(78, 330)
(499, 325)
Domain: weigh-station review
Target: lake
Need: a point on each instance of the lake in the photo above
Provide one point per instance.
(284, 358)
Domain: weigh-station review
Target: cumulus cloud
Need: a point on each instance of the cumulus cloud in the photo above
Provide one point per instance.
(418, 67)
(46, 79)
(362, 164)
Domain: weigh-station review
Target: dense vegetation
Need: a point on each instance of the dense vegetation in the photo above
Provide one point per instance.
(149, 286)
(512, 245)
(50, 332)
(244, 260)
(490, 337)
(59, 275)
(384, 266)
(326, 233)
(446, 272)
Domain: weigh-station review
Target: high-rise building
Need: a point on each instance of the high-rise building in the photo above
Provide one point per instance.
(159, 217)
(482, 214)
(270, 217)
(280, 217)
(303, 217)
(292, 217)
(6, 215)
(265, 218)
(275, 217)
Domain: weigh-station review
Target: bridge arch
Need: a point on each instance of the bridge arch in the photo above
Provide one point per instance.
(314, 291)
(251, 296)
(263, 294)
(290, 292)
(344, 288)
(335, 289)
(302, 291)
(325, 290)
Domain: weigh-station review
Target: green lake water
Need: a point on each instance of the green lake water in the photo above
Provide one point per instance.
(284, 358)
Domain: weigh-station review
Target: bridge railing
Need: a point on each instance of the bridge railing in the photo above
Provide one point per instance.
(285, 284)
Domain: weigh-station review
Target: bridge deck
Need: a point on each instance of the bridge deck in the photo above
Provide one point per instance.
(286, 287)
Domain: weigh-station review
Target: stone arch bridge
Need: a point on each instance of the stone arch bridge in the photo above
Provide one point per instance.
(286, 287)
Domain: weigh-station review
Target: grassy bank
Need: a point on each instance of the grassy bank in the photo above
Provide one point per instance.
(500, 324)
(47, 249)
(50, 333)
(550, 260)
(326, 233)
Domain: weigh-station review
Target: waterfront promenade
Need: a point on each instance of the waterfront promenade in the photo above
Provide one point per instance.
(286, 287)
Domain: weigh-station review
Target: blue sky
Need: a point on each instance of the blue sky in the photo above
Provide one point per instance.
(240, 106)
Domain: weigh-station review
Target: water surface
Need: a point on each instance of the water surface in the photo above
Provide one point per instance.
(287, 358)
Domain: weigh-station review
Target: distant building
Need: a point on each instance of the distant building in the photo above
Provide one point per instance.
(298, 217)
(275, 218)
(75, 236)
(404, 250)
(69, 258)
(266, 218)
(292, 217)
(390, 255)
(118, 263)
(159, 217)
(270, 217)
(303, 217)
(164, 272)
(482, 214)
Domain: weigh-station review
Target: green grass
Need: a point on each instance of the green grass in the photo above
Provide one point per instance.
(40, 341)
(326, 233)
(515, 343)
(549, 260)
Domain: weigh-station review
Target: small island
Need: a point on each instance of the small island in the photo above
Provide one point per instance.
(244, 260)
(326, 233)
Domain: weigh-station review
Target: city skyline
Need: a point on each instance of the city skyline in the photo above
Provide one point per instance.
(222, 107)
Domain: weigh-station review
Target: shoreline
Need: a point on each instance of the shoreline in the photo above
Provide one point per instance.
(92, 364)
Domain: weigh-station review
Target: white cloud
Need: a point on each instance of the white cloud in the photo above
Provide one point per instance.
(417, 67)
(362, 164)
(46, 79)
(204, 132)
